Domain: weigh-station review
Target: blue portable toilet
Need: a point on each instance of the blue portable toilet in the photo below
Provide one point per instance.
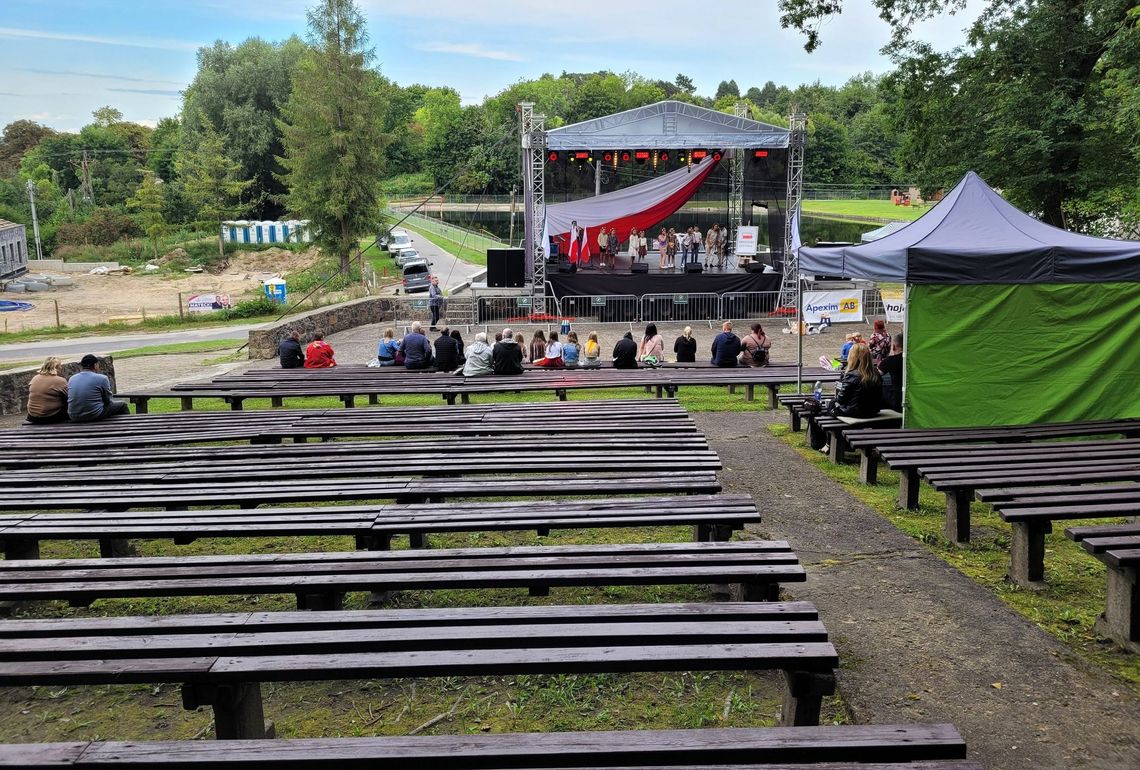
(274, 289)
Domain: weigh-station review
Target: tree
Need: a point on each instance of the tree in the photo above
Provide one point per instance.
(334, 145)
(212, 182)
(107, 116)
(684, 83)
(148, 202)
(18, 137)
(727, 88)
(807, 16)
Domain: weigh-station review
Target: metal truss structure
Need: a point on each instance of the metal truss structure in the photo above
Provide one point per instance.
(790, 279)
(736, 183)
(533, 138)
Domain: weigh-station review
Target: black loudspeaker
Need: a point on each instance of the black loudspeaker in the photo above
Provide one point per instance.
(506, 268)
(566, 267)
(694, 267)
(639, 267)
(754, 267)
(554, 250)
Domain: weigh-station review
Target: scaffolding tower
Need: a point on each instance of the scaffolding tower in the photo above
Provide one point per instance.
(532, 134)
(790, 278)
(736, 184)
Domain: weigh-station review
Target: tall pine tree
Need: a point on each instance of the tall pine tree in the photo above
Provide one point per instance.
(332, 132)
(148, 202)
(212, 181)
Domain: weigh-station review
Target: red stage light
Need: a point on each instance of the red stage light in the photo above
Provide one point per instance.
(699, 154)
(581, 155)
(716, 156)
(641, 156)
(626, 156)
(607, 157)
(664, 155)
(760, 154)
(552, 157)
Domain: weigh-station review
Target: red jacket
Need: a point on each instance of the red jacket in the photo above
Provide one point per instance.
(319, 355)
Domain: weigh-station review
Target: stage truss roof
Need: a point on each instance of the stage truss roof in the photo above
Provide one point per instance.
(668, 125)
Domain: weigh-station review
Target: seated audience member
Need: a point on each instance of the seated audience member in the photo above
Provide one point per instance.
(319, 354)
(89, 394)
(755, 347)
(507, 355)
(537, 347)
(880, 343)
(289, 351)
(47, 394)
(685, 346)
(652, 348)
(388, 348)
(625, 353)
(725, 346)
(553, 355)
(891, 368)
(417, 349)
(455, 335)
(480, 358)
(570, 349)
(446, 351)
(852, 339)
(592, 352)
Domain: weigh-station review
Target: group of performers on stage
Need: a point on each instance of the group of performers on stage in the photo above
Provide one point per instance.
(667, 244)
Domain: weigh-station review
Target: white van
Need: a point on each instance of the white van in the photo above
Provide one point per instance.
(398, 240)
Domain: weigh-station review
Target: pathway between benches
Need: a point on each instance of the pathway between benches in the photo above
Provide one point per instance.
(919, 641)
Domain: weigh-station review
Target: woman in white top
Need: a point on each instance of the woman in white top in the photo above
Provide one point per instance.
(652, 345)
(553, 356)
(710, 247)
(634, 243)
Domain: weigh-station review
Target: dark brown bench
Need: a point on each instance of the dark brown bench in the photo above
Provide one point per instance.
(713, 517)
(221, 660)
(320, 580)
(834, 431)
(1118, 548)
(842, 747)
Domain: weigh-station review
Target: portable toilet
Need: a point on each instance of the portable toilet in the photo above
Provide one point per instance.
(274, 289)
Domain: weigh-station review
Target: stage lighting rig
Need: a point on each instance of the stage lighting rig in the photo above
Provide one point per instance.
(626, 156)
(759, 154)
(641, 156)
(552, 156)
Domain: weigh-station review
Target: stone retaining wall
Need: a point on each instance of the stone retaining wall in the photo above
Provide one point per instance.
(14, 383)
(347, 315)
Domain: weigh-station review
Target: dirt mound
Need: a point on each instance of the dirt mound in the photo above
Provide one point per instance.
(279, 261)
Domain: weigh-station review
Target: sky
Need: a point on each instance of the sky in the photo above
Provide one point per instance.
(62, 59)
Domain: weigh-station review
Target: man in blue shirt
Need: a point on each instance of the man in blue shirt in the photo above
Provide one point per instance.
(725, 347)
(89, 394)
(417, 349)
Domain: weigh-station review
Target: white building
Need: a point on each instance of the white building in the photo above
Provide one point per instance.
(13, 249)
(290, 231)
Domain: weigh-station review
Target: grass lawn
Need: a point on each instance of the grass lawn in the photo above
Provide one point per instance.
(465, 253)
(1066, 608)
(855, 209)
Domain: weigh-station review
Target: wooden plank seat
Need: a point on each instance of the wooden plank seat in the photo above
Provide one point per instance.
(335, 459)
(664, 416)
(713, 518)
(834, 747)
(220, 660)
(833, 430)
(45, 497)
(871, 443)
(320, 580)
(794, 402)
(1118, 548)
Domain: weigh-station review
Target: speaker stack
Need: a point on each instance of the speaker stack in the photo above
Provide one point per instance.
(694, 267)
(639, 267)
(506, 268)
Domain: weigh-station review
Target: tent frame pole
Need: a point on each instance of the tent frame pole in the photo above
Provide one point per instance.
(800, 329)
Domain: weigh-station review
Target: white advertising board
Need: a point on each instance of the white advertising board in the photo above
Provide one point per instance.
(208, 303)
(747, 238)
(839, 306)
(894, 307)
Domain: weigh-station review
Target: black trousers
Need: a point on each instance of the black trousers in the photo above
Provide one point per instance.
(434, 314)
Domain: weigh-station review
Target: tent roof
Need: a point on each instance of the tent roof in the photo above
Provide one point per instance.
(879, 232)
(973, 235)
(668, 125)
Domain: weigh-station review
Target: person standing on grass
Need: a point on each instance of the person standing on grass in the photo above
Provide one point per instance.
(290, 353)
(47, 394)
(319, 354)
(435, 301)
(89, 394)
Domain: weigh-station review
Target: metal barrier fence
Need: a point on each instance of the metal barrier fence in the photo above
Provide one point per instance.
(744, 305)
(680, 307)
(603, 308)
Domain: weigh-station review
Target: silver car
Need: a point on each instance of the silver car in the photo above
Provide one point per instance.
(417, 276)
(407, 256)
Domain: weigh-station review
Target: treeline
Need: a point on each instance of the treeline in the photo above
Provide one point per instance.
(1044, 101)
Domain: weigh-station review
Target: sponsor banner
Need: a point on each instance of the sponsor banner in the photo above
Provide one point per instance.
(838, 306)
(894, 306)
(208, 303)
(747, 238)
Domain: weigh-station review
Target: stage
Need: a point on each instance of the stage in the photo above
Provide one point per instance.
(595, 281)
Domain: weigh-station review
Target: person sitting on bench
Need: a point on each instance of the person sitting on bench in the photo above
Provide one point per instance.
(290, 353)
(552, 358)
(859, 393)
(725, 346)
(89, 394)
(446, 351)
(319, 354)
(891, 368)
(47, 394)
(625, 353)
(507, 355)
(417, 349)
(480, 358)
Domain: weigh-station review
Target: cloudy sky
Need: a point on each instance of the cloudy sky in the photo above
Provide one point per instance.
(61, 59)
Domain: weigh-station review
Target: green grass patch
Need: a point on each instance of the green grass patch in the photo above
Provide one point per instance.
(1066, 608)
(201, 346)
(860, 209)
(458, 250)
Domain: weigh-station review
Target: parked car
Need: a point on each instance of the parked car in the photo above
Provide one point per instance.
(417, 276)
(407, 255)
(399, 240)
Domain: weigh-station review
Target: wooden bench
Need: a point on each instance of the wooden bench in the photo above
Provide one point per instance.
(834, 430)
(871, 443)
(795, 405)
(320, 580)
(221, 660)
(842, 747)
(713, 517)
(1118, 548)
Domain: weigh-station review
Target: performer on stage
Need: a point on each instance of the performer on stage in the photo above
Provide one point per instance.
(575, 244)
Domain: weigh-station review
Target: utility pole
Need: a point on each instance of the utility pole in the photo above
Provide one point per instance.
(35, 219)
(88, 192)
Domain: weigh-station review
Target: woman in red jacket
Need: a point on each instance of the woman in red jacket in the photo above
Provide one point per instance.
(319, 354)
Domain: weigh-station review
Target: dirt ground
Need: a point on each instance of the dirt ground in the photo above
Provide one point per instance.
(95, 299)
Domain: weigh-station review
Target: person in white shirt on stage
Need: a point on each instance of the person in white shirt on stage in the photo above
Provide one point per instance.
(696, 244)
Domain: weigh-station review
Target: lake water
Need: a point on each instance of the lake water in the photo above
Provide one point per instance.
(812, 229)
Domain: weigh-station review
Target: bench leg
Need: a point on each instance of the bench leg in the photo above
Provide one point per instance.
(418, 540)
(773, 393)
(561, 393)
(539, 590)
(333, 600)
(115, 548)
(21, 548)
(908, 488)
(957, 526)
(718, 533)
(1121, 618)
(732, 390)
(750, 392)
(465, 398)
(238, 713)
(797, 425)
(235, 404)
(868, 467)
(141, 405)
(449, 398)
(1027, 553)
(373, 399)
(671, 391)
(277, 402)
(804, 696)
(757, 592)
(836, 447)
(348, 401)
(187, 403)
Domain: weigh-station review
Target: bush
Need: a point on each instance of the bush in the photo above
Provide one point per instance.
(253, 308)
(420, 183)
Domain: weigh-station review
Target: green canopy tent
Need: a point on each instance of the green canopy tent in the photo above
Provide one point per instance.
(1008, 320)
